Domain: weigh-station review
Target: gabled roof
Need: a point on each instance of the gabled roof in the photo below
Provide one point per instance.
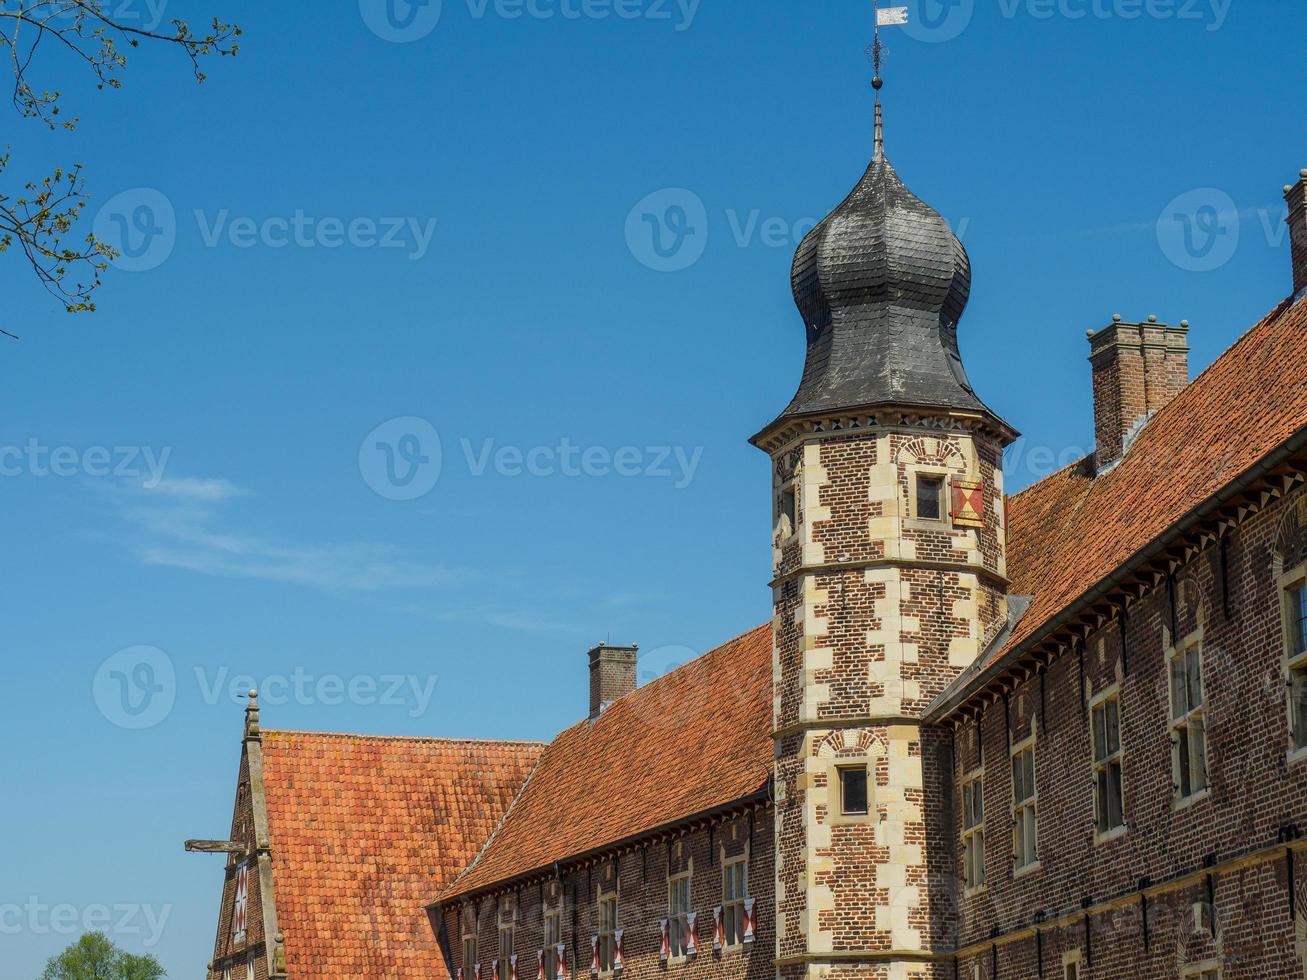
(363, 829)
(1070, 532)
(694, 740)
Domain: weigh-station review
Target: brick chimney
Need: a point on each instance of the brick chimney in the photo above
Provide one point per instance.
(612, 674)
(1296, 195)
(1138, 368)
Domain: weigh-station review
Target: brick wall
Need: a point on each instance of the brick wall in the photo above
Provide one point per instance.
(1138, 368)
(640, 877)
(226, 951)
(1254, 789)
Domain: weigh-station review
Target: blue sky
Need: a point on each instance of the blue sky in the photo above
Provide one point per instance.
(206, 479)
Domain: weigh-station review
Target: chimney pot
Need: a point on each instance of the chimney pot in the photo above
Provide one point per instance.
(1138, 368)
(612, 675)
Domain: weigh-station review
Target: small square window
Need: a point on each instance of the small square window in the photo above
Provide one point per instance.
(853, 790)
(930, 498)
(1072, 971)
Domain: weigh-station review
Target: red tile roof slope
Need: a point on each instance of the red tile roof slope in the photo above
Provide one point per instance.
(363, 829)
(695, 739)
(1070, 531)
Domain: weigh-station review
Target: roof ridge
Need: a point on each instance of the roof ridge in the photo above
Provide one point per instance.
(421, 739)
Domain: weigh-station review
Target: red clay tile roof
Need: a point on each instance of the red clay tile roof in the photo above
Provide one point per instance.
(693, 740)
(363, 829)
(1070, 531)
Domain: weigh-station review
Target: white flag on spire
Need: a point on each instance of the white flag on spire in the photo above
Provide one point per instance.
(891, 16)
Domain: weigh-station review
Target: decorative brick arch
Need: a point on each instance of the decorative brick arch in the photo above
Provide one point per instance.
(1290, 547)
(948, 453)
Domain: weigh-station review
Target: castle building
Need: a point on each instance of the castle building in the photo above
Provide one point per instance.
(1060, 734)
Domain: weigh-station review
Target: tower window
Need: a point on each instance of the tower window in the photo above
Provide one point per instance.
(853, 790)
(789, 510)
(930, 498)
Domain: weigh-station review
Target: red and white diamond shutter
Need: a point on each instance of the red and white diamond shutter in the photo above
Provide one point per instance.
(718, 928)
(512, 967)
(241, 909)
(594, 955)
(494, 968)
(619, 954)
(748, 920)
(665, 945)
(691, 934)
(540, 965)
(562, 961)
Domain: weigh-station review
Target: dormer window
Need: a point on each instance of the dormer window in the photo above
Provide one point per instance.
(930, 497)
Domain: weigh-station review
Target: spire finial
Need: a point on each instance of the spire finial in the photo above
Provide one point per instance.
(877, 82)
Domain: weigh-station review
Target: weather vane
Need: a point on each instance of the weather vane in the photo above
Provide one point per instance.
(885, 17)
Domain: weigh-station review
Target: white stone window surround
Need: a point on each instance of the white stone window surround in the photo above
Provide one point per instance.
(1187, 714)
(1209, 970)
(1294, 661)
(678, 911)
(914, 473)
(1025, 804)
(973, 832)
(1104, 758)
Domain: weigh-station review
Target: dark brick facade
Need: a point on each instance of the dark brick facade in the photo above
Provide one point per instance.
(639, 874)
(1212, 874)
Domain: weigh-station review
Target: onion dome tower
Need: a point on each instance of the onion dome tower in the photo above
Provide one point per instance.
(881, 284)
(888, 580)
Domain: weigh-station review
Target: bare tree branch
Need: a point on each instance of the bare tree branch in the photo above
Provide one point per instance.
(38, 221)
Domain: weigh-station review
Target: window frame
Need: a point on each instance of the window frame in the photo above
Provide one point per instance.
(787, 508)
(1292, 583)
(1072, 961)
(973, 885)
(1029, 803)
(551, 937)
(1103, 765)
(678, 923)
(733, 905)
(607, 932)
(939, 477)
(1182, 725)
(840, 773)
(1201, 971)
(470, 954)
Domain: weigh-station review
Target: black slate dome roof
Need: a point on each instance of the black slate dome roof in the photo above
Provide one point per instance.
(881, 283)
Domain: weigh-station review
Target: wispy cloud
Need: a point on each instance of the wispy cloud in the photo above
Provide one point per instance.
(193, 525)
(182, 523)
